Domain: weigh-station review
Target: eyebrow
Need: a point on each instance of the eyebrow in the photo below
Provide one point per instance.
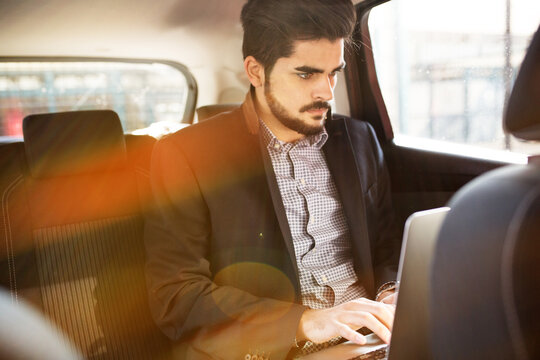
(312, 70)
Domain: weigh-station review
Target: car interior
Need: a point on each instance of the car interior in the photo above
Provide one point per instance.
(75, 162)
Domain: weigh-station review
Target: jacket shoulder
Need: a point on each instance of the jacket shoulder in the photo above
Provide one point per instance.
(214, 131)
(356, 125)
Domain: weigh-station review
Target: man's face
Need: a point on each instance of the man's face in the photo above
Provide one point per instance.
(300, 87)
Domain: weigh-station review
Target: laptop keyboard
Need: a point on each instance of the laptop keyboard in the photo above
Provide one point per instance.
(379, 354)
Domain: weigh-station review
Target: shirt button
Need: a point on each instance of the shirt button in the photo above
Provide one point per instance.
(324, 279)
(303, 182)
(277, 146)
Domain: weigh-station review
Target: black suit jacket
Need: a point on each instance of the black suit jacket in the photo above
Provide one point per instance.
(221, 268)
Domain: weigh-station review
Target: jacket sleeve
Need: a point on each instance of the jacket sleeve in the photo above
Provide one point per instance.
(388, 241)
(185, 301)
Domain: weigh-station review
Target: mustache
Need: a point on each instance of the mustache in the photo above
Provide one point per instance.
(316, 106)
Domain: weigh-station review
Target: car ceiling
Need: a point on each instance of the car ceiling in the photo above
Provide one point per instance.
(204, 35)
(196, 33)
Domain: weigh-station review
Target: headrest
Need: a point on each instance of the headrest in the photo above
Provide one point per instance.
(72, 143)
(523, 111)
(207, 111)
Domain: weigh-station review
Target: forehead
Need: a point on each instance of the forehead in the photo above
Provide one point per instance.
(321, 54)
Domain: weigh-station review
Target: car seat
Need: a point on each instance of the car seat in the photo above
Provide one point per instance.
(485, 284)
(72, 245)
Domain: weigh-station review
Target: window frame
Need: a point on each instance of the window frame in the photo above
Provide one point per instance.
(365, 96)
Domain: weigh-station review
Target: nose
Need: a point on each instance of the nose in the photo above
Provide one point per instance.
(324, 88)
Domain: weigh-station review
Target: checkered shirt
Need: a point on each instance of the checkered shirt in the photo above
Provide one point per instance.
(316, 219)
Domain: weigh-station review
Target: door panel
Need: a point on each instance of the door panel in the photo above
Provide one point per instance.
(424, 179)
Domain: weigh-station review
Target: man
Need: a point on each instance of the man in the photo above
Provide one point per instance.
(273, 225)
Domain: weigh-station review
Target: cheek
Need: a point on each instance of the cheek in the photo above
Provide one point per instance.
(300, 97)
(291, 95)
(291, 98)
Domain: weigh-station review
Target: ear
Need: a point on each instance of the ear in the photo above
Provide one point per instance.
(254, 71)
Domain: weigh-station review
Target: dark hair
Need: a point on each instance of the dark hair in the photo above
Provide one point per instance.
(272, 26)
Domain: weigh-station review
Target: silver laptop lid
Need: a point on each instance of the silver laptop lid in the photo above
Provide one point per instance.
(409, 333)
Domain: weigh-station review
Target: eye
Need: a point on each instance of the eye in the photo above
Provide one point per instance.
(335, 73)
(304, 76)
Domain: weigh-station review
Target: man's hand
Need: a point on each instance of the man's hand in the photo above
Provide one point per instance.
(343, 320)
(388, 297)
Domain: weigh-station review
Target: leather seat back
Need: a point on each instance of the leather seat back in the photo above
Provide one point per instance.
(208, 111)
(485, 285)
(73, 201)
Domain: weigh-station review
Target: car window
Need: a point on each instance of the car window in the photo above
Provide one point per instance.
(150, 98)
(446, 68)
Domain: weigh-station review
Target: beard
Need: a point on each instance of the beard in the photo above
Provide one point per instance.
(295, 123)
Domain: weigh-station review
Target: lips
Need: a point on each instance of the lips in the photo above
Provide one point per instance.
(319, 111)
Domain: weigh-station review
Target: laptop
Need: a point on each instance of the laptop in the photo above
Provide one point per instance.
(409, 333)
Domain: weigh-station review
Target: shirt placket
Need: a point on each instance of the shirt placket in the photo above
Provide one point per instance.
(311, 257)
(315, 219)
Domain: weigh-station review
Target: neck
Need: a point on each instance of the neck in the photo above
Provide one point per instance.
(280, 131)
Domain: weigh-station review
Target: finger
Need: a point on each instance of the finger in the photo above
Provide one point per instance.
(390, 299)
(384, 312)
(351, 335)
(359, 319)
(387, 316)
(389, 307)
(360, 303)
(380, 329)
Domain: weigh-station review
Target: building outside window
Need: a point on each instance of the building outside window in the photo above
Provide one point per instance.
(446, 69)
(150, 98)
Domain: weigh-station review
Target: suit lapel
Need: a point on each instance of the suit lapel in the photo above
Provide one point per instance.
(280, 214)
(344, 168)
(251, 121)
